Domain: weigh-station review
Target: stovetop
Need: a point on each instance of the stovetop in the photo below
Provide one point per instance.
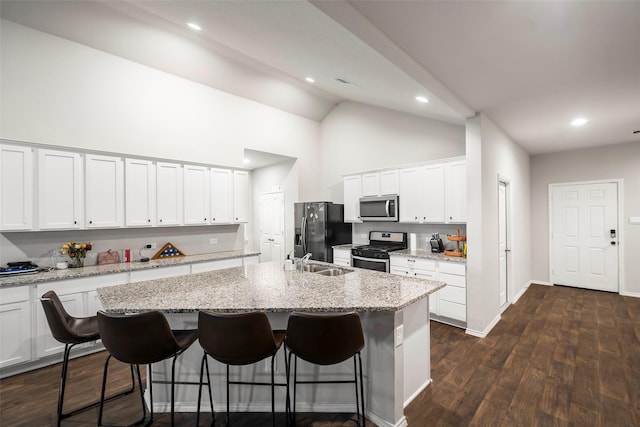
(380, 244)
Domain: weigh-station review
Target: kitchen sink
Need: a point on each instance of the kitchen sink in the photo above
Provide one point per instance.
(315, 268)
(325, 270)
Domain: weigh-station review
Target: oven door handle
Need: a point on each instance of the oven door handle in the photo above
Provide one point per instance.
(369, 259)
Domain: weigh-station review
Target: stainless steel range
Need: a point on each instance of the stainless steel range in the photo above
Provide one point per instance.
(375, 255)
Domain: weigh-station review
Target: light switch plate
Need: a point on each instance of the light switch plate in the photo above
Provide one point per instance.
(634, 220)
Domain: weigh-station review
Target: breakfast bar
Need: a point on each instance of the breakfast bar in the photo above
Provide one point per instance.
(395, 318)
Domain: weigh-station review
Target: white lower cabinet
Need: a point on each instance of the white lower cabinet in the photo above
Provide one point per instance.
(15, 326)
(447, 303)
(342, 257)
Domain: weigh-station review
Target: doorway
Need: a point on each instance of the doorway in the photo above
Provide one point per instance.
(504, 248)
(584, 233)
(272, 226)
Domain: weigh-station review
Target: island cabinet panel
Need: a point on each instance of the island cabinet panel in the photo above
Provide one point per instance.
(15, 326)
(202, 267)
(352, 194)
(60, 189)
(221, 196)
(197, 193)
(104, 195)
(342, 257)
(16, 187)
(159, 273)
(140, 193)
(169, 189)
(240, 196)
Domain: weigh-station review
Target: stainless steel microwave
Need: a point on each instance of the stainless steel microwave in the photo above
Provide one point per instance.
(379, 208)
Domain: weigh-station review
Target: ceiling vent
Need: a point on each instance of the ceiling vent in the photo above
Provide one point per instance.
(345, 81)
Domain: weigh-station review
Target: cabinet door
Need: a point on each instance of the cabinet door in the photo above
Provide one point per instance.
(140, 193)
(169, 193)
(16, 187)
(104, 181)
(352, 194)
(60, 181)
(370, 184)
(15, 326)
(432, 197)
(46, 343)
(389, 182)
(456, 194)
(240, 196)
(221, 196)
(410, 194)
(197, 204)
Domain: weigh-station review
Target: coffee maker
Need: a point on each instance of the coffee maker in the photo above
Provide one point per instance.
(436, 243)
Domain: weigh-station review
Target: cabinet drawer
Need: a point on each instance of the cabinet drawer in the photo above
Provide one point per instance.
(346, 262)
(15, 294)
(453, 294)
(400, 271)
(413, 262)
(453, 268)
(452, 310)
(451, 280)
(423, 274)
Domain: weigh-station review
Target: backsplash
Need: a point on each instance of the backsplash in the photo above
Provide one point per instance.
(39, 246)
(422, 232)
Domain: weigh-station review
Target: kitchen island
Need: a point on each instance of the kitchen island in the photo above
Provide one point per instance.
(395, 318)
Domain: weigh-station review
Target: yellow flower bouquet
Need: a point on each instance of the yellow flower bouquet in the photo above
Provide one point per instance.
(77, 252)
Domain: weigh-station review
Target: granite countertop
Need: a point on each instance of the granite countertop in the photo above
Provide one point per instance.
(123, 267)
(427, 254)
(267, 287)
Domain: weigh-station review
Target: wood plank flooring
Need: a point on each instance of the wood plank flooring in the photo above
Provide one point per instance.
(559, 357)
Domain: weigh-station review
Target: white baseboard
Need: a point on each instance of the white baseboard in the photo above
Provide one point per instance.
(539, 282)
(519, 294)
(630, 294)
(417, 392)
(485, 332)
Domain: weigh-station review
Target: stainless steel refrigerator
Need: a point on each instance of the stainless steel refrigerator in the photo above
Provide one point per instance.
(318, 227)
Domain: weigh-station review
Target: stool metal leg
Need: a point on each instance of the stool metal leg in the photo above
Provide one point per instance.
(144, 418)
(361, 390)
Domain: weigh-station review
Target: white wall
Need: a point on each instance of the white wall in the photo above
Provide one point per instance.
(611, 162)
(490, 154)
(358, 137)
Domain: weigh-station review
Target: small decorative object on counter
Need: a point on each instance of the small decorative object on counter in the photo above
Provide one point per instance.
(76, 252)
(127, 255)
(109, 257)
(168, 251)
(457, 238)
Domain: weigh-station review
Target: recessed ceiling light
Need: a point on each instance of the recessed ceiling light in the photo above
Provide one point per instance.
(194, 26)
(422, 99)
(579, 121)
(246, 161)
(310, 79)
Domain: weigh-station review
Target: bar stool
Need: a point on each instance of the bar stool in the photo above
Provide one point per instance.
(142, 339)
(326, 339)
(71, 331)
(238, 339)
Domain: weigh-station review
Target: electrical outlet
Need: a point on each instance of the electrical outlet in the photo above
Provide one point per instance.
(399, 335)
(213, 241)
(151, 245)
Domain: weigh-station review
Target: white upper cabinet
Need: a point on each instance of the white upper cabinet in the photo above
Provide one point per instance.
(60, 181)
(410, 195)
(16, 187)
(240, 196)
(169, 186)
(140, 189)
(456, 192)
(389, 182)
(370, 184)
(352, 194)
(432, 185)
(104, 195)
(197, 194)
(221, 196)
(380, 183)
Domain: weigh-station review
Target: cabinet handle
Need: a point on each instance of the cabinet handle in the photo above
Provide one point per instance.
(160, 221)
(205, 219)
(149, 220)
(90, 222)
(213, 219)
(75, 222)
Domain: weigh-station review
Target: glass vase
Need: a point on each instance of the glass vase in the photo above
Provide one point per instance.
(76, 262)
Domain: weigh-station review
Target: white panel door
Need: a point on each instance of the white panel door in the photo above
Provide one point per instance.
(502, 241)
(389, 182)
(140, 193)
(169, 188)
(585, 236)
(272, 227)
(16, 187)
(196, 195)
(456, 192)
(60, 183)
(104, 178)
(352, 193)
(240, 196)
(370, 184)
(432, 194)
(221, 196)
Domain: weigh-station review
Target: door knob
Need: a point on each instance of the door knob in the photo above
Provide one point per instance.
(613, 243)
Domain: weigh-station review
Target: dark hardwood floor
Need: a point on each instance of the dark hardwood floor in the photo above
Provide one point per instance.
(559, 357)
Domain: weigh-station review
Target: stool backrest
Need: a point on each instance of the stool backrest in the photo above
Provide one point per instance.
(137, 338)
(58, 319)
(324, 339)
(236, 339)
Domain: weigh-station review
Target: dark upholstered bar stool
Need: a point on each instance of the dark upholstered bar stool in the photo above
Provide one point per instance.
(326, 339)
(142, 339)
(71, 331)
(237, 339)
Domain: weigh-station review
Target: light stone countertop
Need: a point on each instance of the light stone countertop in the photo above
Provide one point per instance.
(267, 287)
(97, 270)
(427, 254)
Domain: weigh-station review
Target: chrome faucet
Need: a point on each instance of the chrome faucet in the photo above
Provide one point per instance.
(304, 260)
